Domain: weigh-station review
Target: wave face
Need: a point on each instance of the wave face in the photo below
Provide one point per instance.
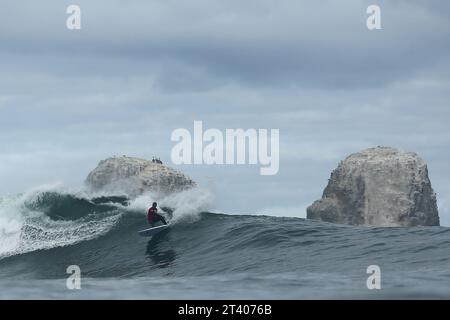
(43, 232)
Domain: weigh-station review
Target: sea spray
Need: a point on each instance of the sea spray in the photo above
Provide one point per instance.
(52, 216)
(11, 222)
(25, 226)
(184, 206)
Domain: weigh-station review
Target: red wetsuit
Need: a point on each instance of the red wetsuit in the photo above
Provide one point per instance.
(152, 214)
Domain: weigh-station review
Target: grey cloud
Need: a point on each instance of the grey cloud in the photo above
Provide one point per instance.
(262, 43)
(135, 72)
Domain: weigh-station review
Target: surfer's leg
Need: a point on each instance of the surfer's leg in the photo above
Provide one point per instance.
(162, 219)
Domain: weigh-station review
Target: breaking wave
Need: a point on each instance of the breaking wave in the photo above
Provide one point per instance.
(49, 217)
(46, 230)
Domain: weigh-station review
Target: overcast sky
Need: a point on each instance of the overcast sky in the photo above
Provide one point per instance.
(138, 70)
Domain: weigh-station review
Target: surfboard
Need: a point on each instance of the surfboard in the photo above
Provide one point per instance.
(152, 231)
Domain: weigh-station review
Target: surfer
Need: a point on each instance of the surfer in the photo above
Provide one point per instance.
(153, 215)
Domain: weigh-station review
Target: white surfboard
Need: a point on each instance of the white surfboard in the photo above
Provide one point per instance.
(152, 231)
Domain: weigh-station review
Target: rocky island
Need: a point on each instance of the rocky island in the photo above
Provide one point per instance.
(135, 176)
(381, 187)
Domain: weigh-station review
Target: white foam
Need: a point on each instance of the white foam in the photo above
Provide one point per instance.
(23, 230)
(10, 225)
(187, 204)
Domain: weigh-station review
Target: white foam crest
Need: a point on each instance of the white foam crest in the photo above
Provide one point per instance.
(10, 225)
(44, 233)
(24, 230)
(187, 205)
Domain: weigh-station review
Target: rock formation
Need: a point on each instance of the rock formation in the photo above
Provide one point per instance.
(134, 176)
(382, 187)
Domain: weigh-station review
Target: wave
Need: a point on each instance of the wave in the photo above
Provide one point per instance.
(50, 217)
(46, 230)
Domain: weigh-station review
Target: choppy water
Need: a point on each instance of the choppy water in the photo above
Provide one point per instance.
(207, 255)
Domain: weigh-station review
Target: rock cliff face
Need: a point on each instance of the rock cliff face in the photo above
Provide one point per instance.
(134, 176)
(381, 187)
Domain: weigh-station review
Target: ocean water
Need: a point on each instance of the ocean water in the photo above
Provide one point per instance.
(206, 255)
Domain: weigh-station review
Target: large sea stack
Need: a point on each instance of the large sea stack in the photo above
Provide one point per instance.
(134, 176)
(381, 187)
